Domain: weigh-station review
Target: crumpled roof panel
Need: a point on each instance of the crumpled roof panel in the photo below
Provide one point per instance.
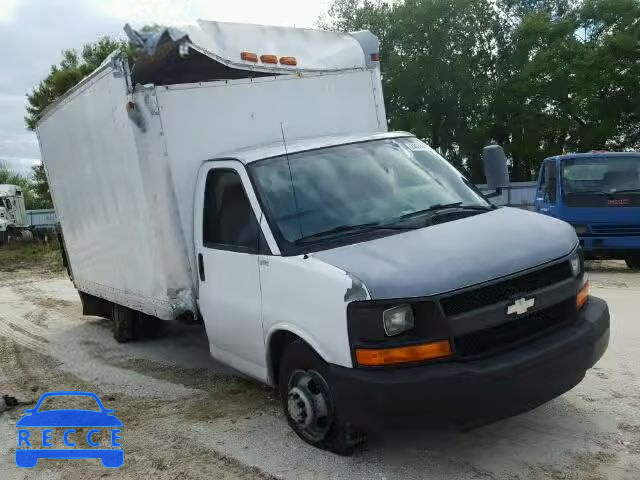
(223, 42)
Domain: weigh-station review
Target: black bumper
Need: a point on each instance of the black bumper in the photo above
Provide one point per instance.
(475, 392)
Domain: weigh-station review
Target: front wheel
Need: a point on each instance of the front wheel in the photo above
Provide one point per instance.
(633, 261)
(304, 386)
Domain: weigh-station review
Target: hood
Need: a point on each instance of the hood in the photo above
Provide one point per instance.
(453, 255)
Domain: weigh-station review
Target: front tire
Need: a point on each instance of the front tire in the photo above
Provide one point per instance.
(304, 385)
(633, 262)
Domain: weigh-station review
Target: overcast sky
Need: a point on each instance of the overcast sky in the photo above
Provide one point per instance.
(34, 32)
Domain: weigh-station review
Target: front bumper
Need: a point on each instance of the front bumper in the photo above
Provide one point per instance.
(475, 392)
(612, 247)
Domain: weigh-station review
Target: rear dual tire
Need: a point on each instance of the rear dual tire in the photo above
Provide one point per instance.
(308, 404)
(130, 325)
(633, 262)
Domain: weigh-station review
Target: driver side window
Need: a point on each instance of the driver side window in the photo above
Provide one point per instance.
(228, 219)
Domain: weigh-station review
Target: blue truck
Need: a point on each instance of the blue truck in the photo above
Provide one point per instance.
(598, 193)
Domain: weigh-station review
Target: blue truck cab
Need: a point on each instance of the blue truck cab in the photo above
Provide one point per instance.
(599, 194)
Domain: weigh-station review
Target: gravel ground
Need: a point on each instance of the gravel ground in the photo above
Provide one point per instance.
(187, 417)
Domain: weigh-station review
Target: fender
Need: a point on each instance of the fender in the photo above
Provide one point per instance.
(294, 329)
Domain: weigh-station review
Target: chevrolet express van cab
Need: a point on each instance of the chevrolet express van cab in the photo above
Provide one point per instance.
(351, 268)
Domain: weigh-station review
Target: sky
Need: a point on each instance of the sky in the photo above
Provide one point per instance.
(33, 34)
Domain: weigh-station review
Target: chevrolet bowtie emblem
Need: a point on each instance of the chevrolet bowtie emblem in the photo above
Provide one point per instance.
(520, 306)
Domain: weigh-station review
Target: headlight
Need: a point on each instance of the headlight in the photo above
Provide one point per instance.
(397, 320)
(576, 263)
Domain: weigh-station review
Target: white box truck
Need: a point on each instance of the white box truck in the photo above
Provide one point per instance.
(244, 175)
(13, 218)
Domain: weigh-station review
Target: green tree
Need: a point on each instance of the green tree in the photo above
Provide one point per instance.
(40, 187)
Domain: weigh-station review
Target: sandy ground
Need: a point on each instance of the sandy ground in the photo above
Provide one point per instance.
(185, 416)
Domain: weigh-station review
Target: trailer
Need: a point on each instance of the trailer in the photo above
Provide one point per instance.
(42, 223)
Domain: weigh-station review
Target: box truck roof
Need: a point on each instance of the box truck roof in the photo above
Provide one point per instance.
(248, 48)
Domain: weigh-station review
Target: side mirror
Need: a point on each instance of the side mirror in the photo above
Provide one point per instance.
(496, 168)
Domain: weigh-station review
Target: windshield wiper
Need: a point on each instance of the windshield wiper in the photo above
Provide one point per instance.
(444, 206)
(342, 229)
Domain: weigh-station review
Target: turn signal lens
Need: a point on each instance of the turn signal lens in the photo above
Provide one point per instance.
(375, 57)
(288, 61)
(371, 357)
(249, 56)
(582, 296)
(269, 58)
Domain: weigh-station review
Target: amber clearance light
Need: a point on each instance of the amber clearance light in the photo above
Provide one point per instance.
(582, 296)
(370, 357)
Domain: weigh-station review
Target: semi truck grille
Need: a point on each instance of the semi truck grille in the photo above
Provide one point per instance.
(619, 230)
(506, 289)
(516, 332)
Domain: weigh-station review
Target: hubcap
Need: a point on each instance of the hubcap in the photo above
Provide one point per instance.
(308, 404)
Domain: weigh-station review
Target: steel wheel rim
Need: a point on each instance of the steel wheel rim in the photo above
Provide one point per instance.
(309, 404)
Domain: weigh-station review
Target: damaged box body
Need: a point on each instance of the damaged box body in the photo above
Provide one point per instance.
(122, 156)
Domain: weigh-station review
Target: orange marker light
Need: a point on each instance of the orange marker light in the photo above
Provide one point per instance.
(582, 296)
(375, 57)
(414, 353)
(269, 58)
(288, 61)
(249, 56)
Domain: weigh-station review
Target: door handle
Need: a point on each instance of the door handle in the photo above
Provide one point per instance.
(201, 267)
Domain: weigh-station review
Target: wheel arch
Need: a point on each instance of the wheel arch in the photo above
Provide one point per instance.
(277, 340)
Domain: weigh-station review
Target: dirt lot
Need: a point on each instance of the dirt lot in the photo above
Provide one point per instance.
(185, 416)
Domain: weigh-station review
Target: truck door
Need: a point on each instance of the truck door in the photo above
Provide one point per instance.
(546, 195)
(227, 246)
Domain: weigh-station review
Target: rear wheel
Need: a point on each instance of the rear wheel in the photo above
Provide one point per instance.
(308, 404)
(633, 262)
(125, 323)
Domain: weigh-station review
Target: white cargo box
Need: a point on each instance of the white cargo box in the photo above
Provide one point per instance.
(122, 161)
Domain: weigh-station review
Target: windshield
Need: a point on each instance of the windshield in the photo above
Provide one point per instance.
(373, 182)
(601, 174)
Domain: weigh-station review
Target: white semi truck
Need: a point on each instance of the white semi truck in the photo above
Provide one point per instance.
(14, 224)
(243, 175)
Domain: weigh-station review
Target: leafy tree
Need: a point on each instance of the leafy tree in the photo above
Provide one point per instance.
(40, 187)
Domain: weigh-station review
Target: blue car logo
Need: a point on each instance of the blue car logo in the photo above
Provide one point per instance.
(99, 422)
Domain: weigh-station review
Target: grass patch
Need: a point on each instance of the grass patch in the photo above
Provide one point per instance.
(21, 255)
